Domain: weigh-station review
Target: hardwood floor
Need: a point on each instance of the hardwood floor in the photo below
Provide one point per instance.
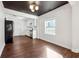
(25, 47)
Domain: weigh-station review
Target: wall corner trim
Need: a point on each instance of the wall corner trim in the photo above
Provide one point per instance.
(1, 50)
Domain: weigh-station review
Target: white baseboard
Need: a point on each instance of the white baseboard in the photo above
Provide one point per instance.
(65, 46)
(1, 49)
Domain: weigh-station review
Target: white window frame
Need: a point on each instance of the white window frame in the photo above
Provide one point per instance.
(50, 30)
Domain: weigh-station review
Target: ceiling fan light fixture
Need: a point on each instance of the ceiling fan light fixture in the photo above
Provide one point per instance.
(33, 6)
(37, 7)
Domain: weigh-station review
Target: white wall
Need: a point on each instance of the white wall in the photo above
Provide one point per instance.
(28, 26)
(20, 24)
(63, 26)
(2, 43)
(75, 26)
(17, 24)
(21, 21)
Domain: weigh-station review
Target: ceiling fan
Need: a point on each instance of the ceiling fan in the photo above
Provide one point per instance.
(34, 5)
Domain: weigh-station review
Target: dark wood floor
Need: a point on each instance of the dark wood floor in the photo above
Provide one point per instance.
(25, 47)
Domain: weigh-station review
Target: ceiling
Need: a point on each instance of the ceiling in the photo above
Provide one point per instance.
(23, 6)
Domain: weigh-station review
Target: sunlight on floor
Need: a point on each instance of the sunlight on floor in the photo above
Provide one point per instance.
(52, 53)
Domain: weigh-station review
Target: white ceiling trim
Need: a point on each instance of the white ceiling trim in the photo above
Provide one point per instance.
(17, 13)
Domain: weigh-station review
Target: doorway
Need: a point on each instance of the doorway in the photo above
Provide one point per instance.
(8, 31)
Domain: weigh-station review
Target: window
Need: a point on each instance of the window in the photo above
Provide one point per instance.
(50, 27)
